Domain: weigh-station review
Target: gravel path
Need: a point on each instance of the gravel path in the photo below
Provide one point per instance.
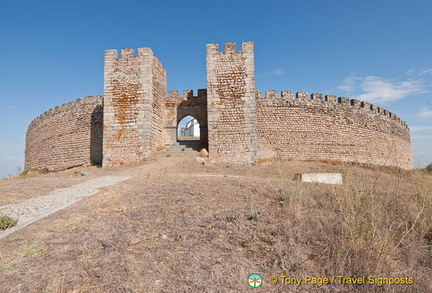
(34, 209)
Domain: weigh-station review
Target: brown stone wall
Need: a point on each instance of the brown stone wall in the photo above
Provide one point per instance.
(330, 128)
(231, 103)
(66, 136)
(158, 104)
(134, 119)
(134, 92)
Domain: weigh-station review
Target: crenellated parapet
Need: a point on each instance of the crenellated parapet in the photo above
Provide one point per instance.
(188, 98)
(318, 126)
(77, 107)
(303, 98)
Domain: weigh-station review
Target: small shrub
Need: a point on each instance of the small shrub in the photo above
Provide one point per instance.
(255, 213)
(233, 217)
(32, 251)
(429, 168)
(43, 171)
(24, 173)
(7, 222)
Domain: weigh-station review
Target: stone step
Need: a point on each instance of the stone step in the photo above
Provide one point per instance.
(184, 148)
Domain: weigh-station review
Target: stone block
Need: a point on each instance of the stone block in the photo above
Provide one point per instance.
(327, 178)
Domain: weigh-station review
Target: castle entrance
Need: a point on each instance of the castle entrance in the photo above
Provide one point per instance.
(189, 133)
(185, 120)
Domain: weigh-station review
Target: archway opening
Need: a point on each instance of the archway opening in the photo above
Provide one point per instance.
(189, 133)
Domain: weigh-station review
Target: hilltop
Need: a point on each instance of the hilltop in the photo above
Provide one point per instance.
(180, 226)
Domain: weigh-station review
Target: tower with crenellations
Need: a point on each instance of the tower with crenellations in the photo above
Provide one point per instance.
(134, 100)
(231, 104)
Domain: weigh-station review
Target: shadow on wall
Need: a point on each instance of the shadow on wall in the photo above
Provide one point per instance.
(96, 137)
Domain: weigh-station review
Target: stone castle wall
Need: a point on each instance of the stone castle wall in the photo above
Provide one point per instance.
(158, 105)
(237, 124)
(134, 94)
(314, 127)
(66, 136)
(231, 103)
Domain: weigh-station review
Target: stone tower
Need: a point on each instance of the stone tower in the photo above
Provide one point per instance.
(231, 105)
(134, 100)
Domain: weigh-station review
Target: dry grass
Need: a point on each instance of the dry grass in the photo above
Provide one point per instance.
(7, 222)
(179, 226)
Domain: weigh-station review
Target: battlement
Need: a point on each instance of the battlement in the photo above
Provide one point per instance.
(327, 100)
(112, 54)
(246, 47)
(187, 94)
(68, 108)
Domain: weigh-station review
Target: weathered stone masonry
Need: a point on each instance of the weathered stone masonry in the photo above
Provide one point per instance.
(330, 128)
(134, 94)
(66, 136)
(231, 103)
(134, 119)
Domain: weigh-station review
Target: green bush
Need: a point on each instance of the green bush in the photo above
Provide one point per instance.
(7, 222)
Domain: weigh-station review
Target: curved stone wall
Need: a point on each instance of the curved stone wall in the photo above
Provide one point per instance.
(66, 136)
(310, 128)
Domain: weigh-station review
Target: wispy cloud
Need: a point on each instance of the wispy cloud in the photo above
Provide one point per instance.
(420, 128)
(350, 84)
(421, 137)
(8, 158)
(275, 72)
(10, 107)
(426, 71)
(6, 145)
(377, 89)
(425, 113)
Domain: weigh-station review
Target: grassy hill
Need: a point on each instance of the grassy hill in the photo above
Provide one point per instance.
(180, 226)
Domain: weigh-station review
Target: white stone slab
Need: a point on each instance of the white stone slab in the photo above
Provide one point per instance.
(327, 178)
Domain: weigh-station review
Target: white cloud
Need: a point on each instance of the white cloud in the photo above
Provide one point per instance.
(425, 113)
(420, 128)
(426, 71)
(6, 145)
(274, 72)
(8, 158)
(9, 107)
(417, 72)
(277, 72)
(376, 89)
(350, 84)
(421, 137)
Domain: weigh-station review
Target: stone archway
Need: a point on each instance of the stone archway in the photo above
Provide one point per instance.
(189, 133)
(177, 108)
(200, 114)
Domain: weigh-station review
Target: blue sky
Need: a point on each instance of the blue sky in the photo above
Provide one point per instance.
(51, 53)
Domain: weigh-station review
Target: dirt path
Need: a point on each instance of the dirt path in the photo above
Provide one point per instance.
(34, 209)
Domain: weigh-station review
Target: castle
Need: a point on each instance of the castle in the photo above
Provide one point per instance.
(134, 118)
